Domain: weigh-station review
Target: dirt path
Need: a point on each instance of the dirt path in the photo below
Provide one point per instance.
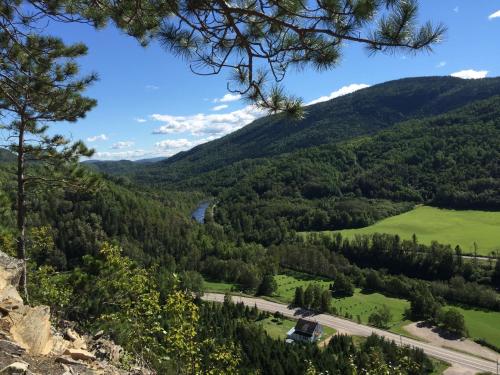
(432, 336)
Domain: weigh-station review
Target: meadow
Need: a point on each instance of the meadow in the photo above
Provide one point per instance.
(452, 227)
(359, 305)
(482, 324)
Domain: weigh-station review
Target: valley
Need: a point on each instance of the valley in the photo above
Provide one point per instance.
(315, 215)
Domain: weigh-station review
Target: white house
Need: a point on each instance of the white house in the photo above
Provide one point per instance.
(305, 331)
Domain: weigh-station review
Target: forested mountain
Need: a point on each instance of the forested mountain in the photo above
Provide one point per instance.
(362, 113)
(383, 149)
(451, 160)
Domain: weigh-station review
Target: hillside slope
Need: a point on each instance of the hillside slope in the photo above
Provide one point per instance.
(362, 113)
(450, 160)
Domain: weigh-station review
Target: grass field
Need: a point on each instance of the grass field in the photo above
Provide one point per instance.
(217, 287)
(362, 305)
(445, 226)
(483, 324)
(359, 304)
(287, 284)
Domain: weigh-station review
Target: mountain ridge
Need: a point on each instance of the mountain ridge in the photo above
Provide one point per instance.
(357, 114)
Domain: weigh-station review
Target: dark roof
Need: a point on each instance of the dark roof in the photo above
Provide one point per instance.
(306, 327)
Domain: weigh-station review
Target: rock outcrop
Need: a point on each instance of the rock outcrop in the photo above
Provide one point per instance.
(30, 344)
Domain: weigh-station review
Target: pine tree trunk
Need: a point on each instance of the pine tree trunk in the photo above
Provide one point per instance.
(21, 213)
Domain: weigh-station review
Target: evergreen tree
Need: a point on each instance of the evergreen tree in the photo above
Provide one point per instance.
(268, 286)
(309, 297)
(316, 304)
(298, 300)
(252, 40)
(495, 278)
(39, 85)
(326, 301)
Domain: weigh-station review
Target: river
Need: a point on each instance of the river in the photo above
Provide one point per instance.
(199, 213)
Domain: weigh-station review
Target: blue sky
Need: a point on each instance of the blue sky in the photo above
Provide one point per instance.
(150, 104)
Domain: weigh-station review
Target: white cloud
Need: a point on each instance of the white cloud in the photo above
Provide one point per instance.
(220, 107)
(152, 87)
(342, 91)
(494, 15)
(122, 144)
(470, 74)
(169, 144)
(217, 125)
(140, 119)
(456, 9)
(441, 64)
(101, 137)
(207, 124)
(169, 147)
(228, 98)
(121, 155)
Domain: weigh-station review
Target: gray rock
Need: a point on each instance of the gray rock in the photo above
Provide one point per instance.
(11, 348)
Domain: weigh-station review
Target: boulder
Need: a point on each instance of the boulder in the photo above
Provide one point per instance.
(76, 341)
(108, 350)
(16, 368)
(67, 360)
(10, 274)
(9, 303)
(10, 270)
(31, 329)
(80, 354)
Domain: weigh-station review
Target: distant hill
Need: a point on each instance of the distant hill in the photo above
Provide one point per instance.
(362, 113)
(6, 156)
(120, 166)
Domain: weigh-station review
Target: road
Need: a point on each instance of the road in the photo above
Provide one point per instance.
(352, 328)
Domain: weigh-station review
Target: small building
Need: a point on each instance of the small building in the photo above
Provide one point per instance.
(305, 331)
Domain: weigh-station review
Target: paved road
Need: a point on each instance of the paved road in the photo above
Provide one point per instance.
(352, 328)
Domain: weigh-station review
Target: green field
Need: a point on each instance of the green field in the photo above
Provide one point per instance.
(359, 304)
(287, 284)
(445, 226)
(483, 324)
(362, 305)
(218, 287)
